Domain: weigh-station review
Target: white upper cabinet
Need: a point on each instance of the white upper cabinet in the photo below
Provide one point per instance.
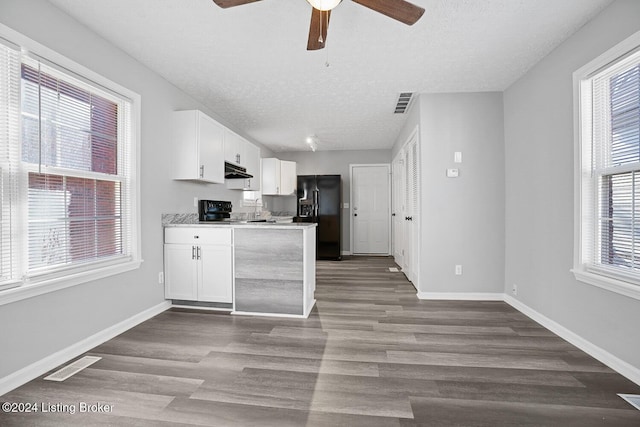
(249, 156)
(278, 177)
(201, 145)
(235, 148)
(198, 147)
(288, 177)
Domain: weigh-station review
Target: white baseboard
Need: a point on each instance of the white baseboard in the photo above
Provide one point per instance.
(613, 362)
(38, 368)
(343, 253)
(618, 365)
(461, 296)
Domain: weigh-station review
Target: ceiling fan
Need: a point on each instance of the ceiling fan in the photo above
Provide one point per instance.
(400, 10)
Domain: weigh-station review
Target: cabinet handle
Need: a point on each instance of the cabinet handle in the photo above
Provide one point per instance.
(198, 252)
(193, 252)
(277, 190)
(201, 171)
(238, 158)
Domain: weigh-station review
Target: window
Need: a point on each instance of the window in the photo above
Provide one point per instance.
(252, 198)
(68, 182)
(608, 242)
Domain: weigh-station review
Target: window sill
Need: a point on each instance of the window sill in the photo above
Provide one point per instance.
(29, 291)
(614, 285)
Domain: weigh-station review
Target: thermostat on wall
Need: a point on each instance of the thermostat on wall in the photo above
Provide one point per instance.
(452, 173)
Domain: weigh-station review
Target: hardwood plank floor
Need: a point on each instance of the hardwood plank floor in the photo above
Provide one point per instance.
(370, 354)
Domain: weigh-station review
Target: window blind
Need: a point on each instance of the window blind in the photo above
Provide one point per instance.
(10, 136)
(76, 179)
(616, 168)
(66, 172)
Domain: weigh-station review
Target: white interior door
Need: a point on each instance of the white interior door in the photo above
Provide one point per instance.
(370, 191)
(410, 216)
(398, 208)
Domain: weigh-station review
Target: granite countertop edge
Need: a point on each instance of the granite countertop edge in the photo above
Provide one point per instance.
(261, 225)
(192, 220)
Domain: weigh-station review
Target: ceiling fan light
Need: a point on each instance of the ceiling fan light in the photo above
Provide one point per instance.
(324, 4)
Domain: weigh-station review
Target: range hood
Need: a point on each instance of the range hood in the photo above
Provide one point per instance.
(232, 171)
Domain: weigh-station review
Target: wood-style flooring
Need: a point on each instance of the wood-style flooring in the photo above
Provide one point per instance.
(370, 354)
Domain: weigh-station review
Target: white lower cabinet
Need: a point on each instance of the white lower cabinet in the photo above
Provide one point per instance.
(215, 284)
(198, 264)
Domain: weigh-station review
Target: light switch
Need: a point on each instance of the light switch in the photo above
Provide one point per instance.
(457, 157)
(345, 206)
(452, 173)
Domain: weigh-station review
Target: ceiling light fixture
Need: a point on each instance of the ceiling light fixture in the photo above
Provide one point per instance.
(324, 5)
(311, 142)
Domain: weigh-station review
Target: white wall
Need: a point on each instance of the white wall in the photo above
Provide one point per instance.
(330, 163)
(38, 327)
(539, 146)
(461, 219)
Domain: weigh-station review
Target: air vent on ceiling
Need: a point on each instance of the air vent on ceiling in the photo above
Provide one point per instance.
(404, 99)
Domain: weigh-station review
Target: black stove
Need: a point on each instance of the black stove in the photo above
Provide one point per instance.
(214, 210)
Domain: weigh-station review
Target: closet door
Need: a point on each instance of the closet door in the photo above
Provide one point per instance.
(398, 209)
(411, 216)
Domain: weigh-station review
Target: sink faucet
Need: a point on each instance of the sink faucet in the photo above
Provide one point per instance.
(255, 212)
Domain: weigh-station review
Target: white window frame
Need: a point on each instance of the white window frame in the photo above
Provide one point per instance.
(585, 184)
(99, 270)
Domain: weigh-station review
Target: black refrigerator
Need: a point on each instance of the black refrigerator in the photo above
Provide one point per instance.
(319, 200)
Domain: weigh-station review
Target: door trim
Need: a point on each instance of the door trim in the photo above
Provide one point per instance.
(389, 207)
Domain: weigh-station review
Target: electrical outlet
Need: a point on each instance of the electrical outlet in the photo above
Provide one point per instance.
(161, 277)
(514, 290)
(458, 270)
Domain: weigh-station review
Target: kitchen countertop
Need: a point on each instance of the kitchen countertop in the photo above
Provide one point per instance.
(261, 225)
(191, 220)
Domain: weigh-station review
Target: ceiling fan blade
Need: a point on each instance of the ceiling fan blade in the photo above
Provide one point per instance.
(399, 10)
(319, 26)
(231, 3)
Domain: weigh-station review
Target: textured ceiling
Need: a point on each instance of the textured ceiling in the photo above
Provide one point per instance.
(249, 64)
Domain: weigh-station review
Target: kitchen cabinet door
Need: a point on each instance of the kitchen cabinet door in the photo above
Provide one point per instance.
(252, 155)
(198, 264)
(288, 179)
(252, 158)
(181, 272)
(198, 147)
(278, 177)
(215, 283)
(234, 148)
(271, 177)
(211, 146)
